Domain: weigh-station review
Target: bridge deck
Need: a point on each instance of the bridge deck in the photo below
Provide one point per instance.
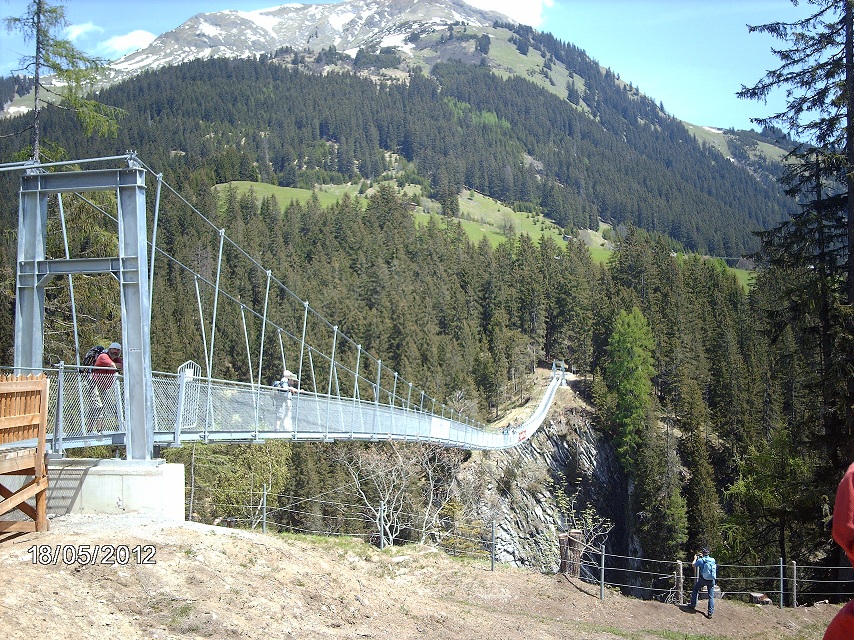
(205, 410)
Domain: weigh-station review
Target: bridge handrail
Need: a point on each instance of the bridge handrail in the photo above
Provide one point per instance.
(237, 411)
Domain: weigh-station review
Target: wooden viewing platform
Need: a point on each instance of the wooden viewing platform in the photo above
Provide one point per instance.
(23, 426)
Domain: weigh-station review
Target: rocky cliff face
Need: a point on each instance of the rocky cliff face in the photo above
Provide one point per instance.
(566, 454)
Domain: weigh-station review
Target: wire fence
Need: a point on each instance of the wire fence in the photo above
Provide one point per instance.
(781, 583)
(784, 584)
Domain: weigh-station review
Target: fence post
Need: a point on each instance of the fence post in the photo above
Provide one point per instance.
(782, 578)
(492, 548)
(602, 575)
(59, 424)
(680, 583)
(264, 511)
(576, 544)
(794, 584)
(563, 552)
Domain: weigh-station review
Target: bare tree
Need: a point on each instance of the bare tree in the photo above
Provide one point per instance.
(382, 474)
(414, 483)
(594, 528)
(437, 483)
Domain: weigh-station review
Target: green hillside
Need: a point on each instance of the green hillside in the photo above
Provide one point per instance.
(508, 125)
(480, 216)
(327, 195)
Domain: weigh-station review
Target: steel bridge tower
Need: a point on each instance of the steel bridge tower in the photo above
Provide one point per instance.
(130, 268)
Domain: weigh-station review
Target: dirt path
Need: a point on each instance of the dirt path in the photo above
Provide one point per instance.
(217, 582)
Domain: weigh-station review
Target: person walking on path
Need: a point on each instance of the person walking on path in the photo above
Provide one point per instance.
(842, 625)
(706, 575)
(287, 386)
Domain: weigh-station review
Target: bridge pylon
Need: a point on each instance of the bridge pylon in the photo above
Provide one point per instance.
(130, 268)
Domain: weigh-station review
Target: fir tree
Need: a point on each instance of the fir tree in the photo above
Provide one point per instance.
(628, 375)
(817, 71)
(74, 71)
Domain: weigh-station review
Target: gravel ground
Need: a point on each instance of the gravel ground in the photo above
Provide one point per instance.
(188, 580)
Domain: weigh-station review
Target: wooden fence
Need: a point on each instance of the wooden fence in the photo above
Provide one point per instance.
(23, 424)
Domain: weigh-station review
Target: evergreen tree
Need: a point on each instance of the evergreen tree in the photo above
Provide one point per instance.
(483, 43)
(300, 511)
(775, 512)
(628, 376)
(74, 70)
(661, 512)
(817, 70)
(805, 281)
(703, 507)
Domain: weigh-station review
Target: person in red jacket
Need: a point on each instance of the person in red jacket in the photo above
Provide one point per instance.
(842, 625)
(107, 364)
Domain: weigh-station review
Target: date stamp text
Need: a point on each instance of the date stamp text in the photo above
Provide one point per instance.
(45, 554)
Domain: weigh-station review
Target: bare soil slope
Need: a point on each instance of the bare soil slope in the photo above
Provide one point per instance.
(225, 583)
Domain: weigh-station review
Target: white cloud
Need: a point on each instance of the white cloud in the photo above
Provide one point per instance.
(76, 31)
(530, 12)
(117, 46)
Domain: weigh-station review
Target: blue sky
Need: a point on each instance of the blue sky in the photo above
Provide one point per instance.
(690, 55)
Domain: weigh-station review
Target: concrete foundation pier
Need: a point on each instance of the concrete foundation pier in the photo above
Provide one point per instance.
(111, 486)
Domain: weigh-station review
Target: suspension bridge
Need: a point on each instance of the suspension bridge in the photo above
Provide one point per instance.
(344, 392)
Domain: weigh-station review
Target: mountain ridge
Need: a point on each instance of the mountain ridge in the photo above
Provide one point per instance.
(347, 26)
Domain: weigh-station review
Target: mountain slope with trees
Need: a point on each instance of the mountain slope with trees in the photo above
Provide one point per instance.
(600, 151)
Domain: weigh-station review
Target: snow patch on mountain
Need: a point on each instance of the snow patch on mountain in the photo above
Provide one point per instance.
(338, 21)
(260, 18)
(209, 30)
(397, 40)
(138, 63)
(348, 26)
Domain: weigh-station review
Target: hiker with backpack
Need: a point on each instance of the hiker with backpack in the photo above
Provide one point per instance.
(101, 374)
(707, 573)
(287, 386)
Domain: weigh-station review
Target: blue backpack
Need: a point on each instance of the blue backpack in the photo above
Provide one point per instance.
(708, 568)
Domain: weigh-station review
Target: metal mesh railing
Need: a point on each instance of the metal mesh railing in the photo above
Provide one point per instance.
(81, 407)
(190, 407)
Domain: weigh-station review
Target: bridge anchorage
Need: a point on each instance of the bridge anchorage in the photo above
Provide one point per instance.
(344, 392)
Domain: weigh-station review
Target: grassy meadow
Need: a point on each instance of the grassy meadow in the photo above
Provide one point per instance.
(480, 215)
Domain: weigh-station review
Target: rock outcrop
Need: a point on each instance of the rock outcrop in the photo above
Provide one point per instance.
(567, 456)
